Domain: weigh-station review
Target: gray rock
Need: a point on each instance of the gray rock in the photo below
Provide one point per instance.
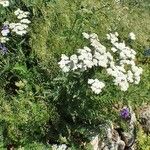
(145, 118)
(115, 139)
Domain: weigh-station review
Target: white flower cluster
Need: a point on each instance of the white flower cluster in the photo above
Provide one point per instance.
(59, 147)
(20, 28)
(4, 39)
(122, 69)
(86, 58)
(96, 85)
(5, 3)
(64, 63)
(4, 32)
(125, 71)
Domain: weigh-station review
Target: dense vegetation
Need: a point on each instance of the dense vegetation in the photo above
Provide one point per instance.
(41, 105)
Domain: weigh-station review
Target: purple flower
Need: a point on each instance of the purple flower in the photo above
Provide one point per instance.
(3, 48)
(5, 27)
(125, 113)
(5, 30)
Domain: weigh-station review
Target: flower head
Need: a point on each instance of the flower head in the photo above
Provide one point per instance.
(5, 30)
(20, 28)
(122, 67)
(132, 36)
(125, 113)
(5, 3)
(4, 39)
(96, 85)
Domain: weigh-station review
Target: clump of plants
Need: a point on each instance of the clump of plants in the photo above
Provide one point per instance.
(99, 56)
(64, 70)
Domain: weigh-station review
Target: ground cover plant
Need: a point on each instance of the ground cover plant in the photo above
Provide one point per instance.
(57, 87)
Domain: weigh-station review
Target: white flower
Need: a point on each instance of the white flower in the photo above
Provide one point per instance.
(24, 26)
(102, 63)
(26, 21)
(18, 11)
(122, 82)
(21, 16)
(96, 85)
(5, 32)
(94, 36)
(81, 51)
(98, 55)
(137, 70)
(113, 49)
(74, 58)
(102, 59)
(64, 57)
(124, 87)
(54, 147)
(132, 36)
(4, 39)
(59, 147)
(109, 56)
(122, 55)
(120, 46)
(98, 46)
(123, 70)
(116, 34)
(90, 81)
(137, 80)
(80, 65)
(108, 36)
(112, 37)
(20, 28)
(12, 25)
(22, 32)
(5, 3)
(85, 35)
(109, 71)
(74, 62)
(62, 147)
(88, 63)
(132, 51)
(130, 76)
(95, 62)
(64, 63)
(87, 49)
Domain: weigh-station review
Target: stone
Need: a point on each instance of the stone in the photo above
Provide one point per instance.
(116, 138)
(144, 117)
